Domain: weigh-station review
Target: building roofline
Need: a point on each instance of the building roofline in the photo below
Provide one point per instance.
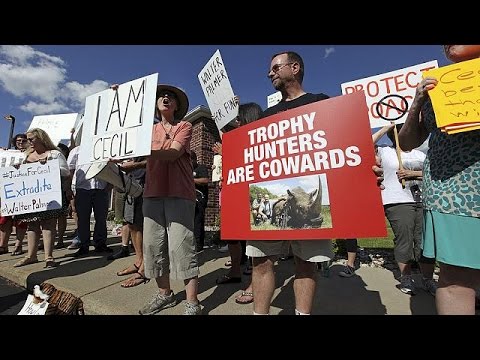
(198, 112)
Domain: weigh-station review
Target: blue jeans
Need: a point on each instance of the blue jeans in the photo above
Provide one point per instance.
(85, 201)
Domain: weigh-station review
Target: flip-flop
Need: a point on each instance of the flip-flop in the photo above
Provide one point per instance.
(128, 271)
(137, 280)
(245, 294)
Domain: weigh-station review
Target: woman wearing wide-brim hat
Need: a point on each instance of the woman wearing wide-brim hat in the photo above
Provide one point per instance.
(169, 205)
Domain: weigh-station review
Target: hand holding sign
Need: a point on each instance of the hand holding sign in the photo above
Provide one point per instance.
(401, 111)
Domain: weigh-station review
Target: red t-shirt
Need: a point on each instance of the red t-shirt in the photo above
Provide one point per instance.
(170, 178)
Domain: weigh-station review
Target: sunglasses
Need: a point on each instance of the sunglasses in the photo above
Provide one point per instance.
(277, 67)
(171, 95)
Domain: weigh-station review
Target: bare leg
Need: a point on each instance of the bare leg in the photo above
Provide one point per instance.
(456, 290)
(163, 283)
(126, 236)
(62, 226)
(263, 284)
(191, 290)
(21, 231)
(49, 228)
(351, 256)
(404, 269)
(304, 285)
(5, 231)
(235, 250)
(137, 241)
(33, 237)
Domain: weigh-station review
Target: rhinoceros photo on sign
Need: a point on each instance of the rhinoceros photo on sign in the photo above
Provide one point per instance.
(289, 204)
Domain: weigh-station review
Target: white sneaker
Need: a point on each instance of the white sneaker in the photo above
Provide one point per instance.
(158, 303)
(406, 285)
(192, 309)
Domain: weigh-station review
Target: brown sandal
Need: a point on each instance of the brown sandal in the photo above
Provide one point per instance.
(50, 263)
(135, 280)
(26, 261)
(128, 271)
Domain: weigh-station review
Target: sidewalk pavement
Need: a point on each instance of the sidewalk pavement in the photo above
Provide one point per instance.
(371, 292)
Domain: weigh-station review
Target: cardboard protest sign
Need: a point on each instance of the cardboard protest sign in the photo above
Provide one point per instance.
(32, 188)
(31, 307)
(118, 123)
(456, 98)
(315, 164)
(391, 94)
(56, 126)
(11, 157)
(218, 91)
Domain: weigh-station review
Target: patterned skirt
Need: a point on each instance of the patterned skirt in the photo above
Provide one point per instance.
(45, 215)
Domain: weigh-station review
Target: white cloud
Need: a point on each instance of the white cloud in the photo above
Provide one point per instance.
(40, 80)
(23, 54)
(76, 92)
(328, 51)
(44, 108)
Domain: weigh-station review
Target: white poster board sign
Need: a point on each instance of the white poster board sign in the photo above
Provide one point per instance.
(394, 84)
(11, 157)
(218, 91)
(56, 126)
(118, 123)
(274, 99)
(32, 308)
(30, 188)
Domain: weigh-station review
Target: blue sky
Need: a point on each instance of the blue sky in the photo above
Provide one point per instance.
(42, 80)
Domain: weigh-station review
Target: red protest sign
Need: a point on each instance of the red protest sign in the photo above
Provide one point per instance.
(313, 167)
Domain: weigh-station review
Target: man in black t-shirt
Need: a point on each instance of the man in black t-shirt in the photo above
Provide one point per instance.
(286, 74)
(200, 177)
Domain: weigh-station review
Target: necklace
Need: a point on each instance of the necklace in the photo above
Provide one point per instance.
(167, 134)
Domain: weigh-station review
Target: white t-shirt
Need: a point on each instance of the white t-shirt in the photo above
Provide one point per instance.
(393, 192)
(79, 181)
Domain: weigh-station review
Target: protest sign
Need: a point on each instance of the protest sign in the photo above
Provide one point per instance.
(31, 307)
(57, 126)
(11, 157)
(117, 124)
(315, 164)
(456, 98)
(389, 95)
(31, 188)
(218, 91)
